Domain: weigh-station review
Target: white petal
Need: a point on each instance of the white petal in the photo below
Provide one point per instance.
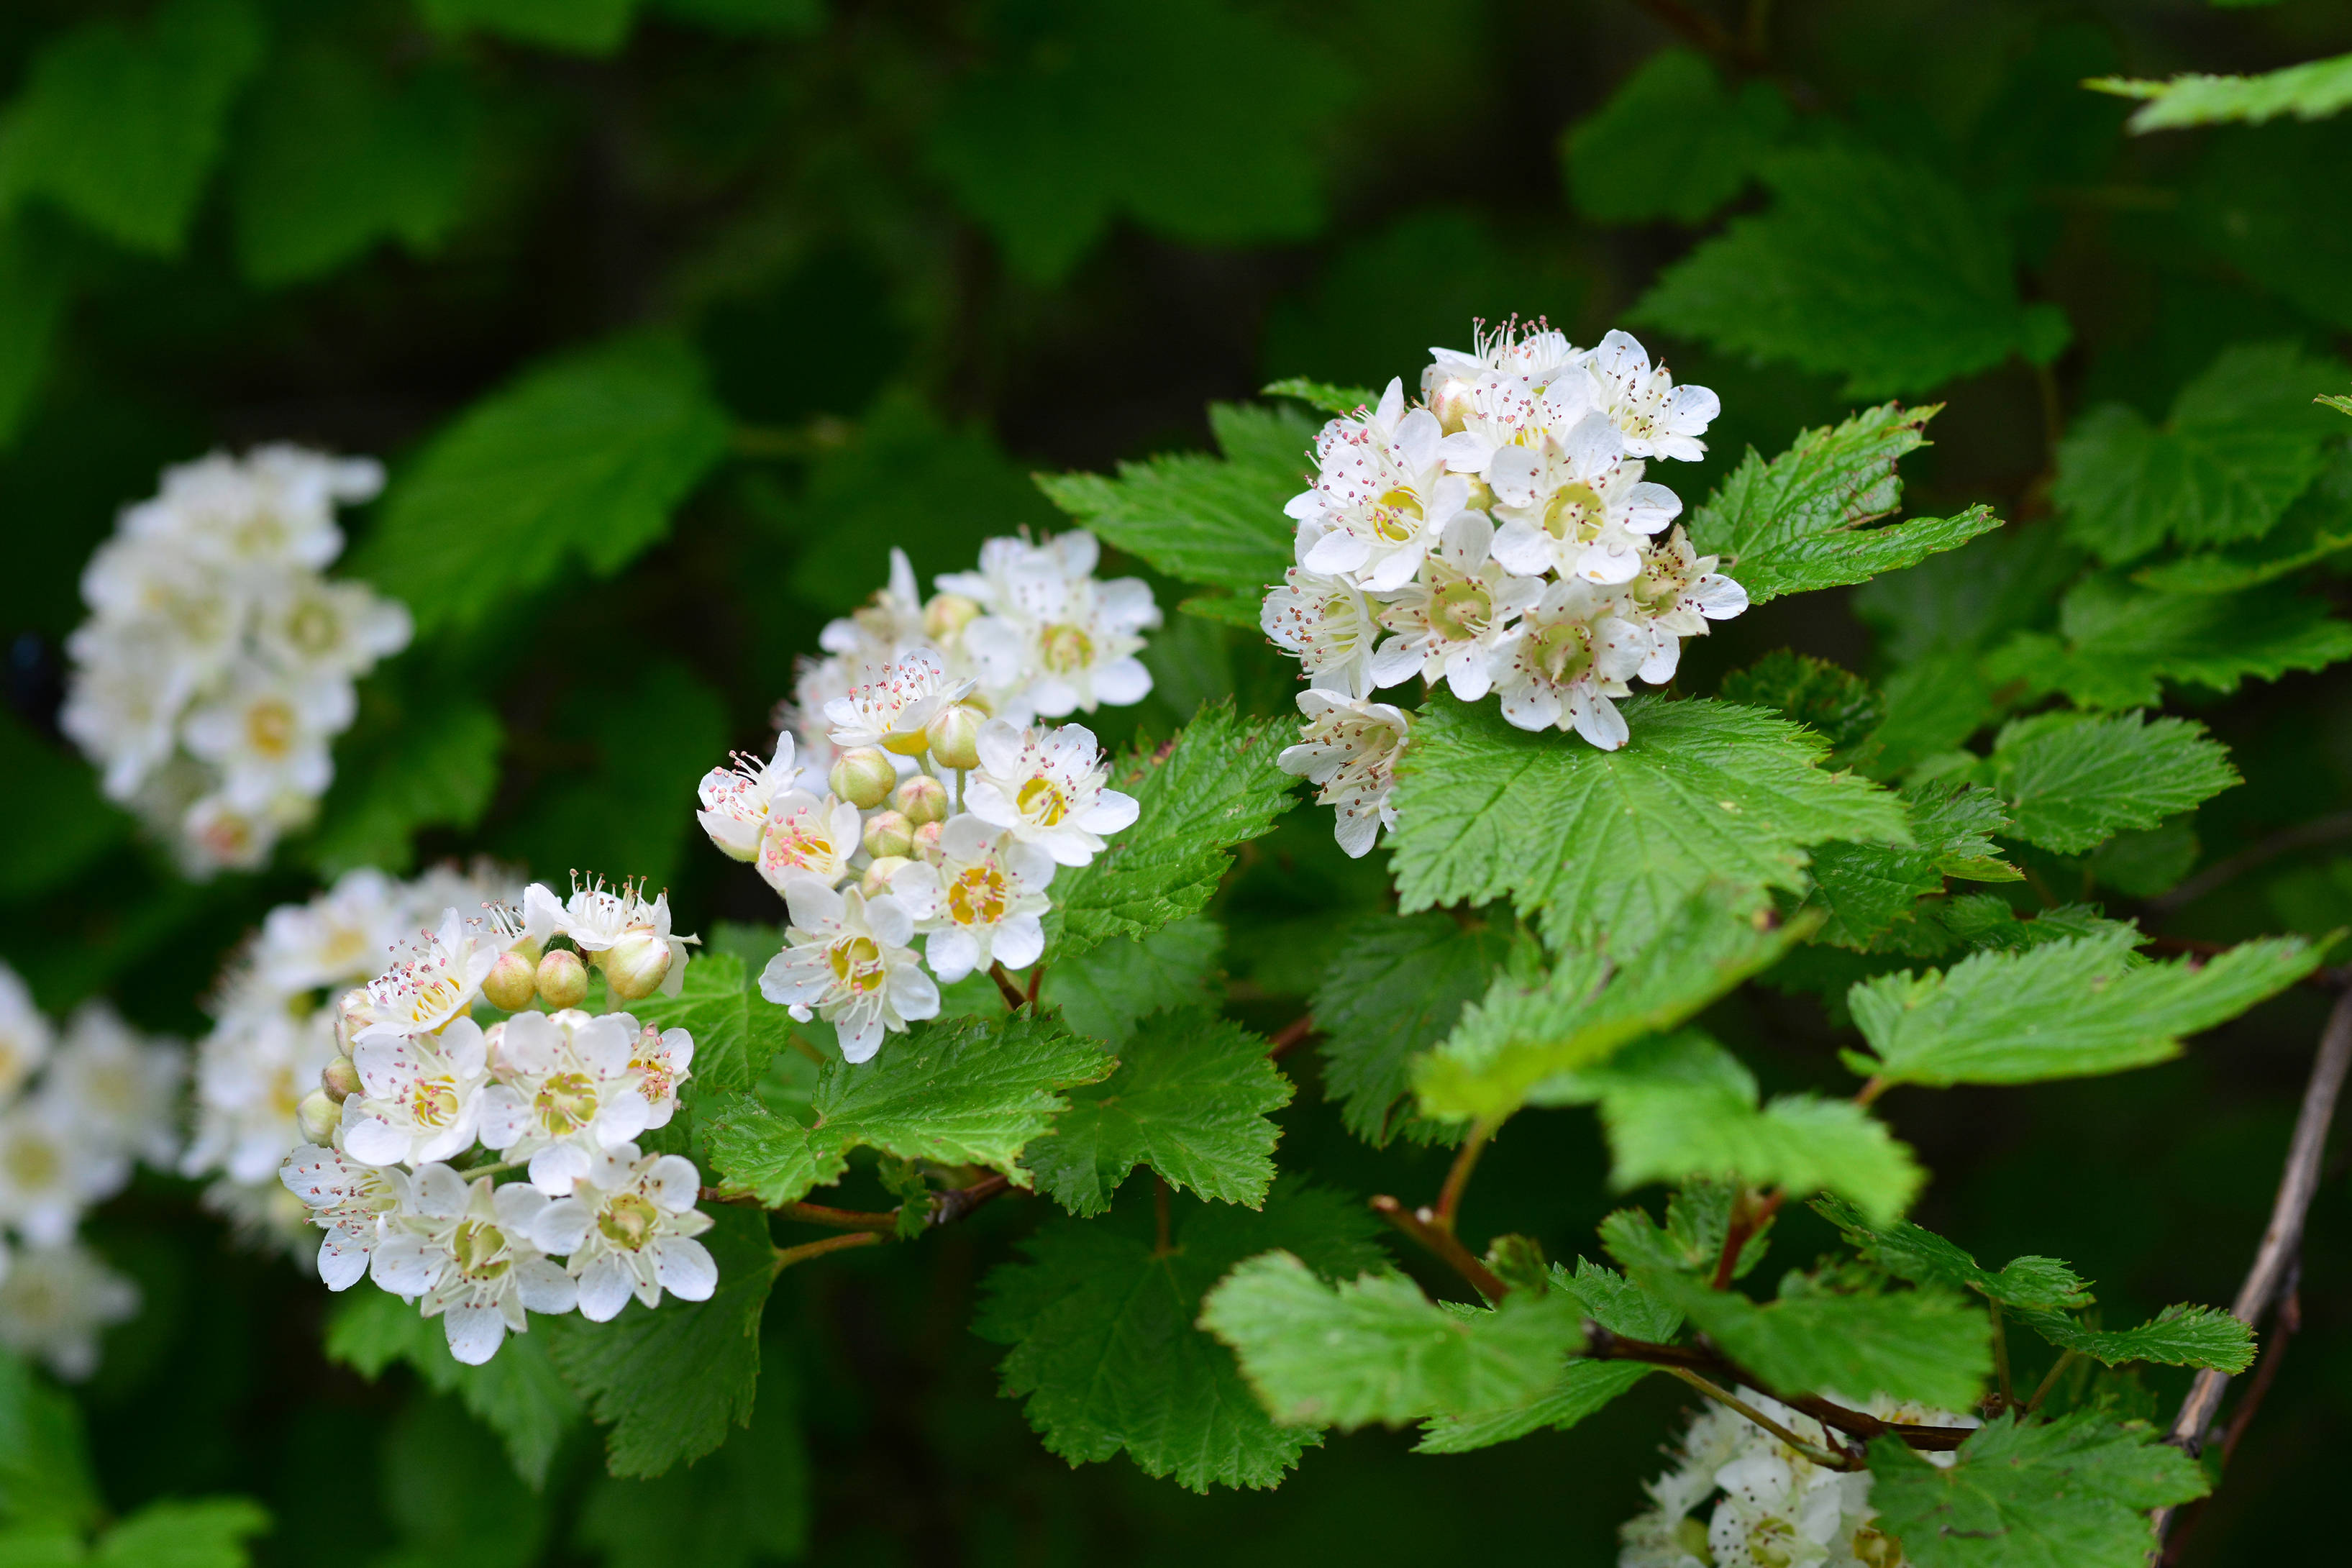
(1111, 812)
(475, 1333)
(561, 1227)
(603, 1289)
(554, 1169)
(685, 1268)
(543, 1286)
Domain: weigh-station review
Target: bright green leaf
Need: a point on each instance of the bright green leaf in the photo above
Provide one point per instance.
(202, 1532)
(2072, 780)
(1928, 1345)
(2178, 1336)
(1670, 142)
(746, 1504)
(716, 1007)
(1395, 986)
(2313, 90)
(2117, 643)
(1869, 889)
(1920, 1256)
(1105, 991)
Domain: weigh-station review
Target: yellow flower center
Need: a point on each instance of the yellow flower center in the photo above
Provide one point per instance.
(1460, 610)
(314, 627)
(1563, 650)
(1576, 513)
(628, 1221)
(1065, 649)
(1397, 516)
(978, 896)
(1041, 801)
(434, 1101)
(858, 964)
(566, 1102)
(269, 727)
(481, 1249)
(32, 1161)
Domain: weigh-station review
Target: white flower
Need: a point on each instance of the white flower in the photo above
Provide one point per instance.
(806, 837)
(275, 507)
(566, 1089)
(981, 903)
(467, 1252)
(1658, 418)
(338, 629)
(736, 801)
(846, 960)
(1576, 505)
(1349, 748)
(119, 1090)
(891, 708)
(600, 919)
(184, 607)
(122, 704)
(1329, 623)
(1537, 354)
(350, 1200)
(887, 627)
(816, 682)
(1513, 391)
(437, 983)
(629, 1226)
(49, 1173)
(252, 1071)
(1047, 789)
(662, 1059)
(1381, 497)
(1566, 659)
(420, 1096)
(1681, 591)
(1451, 619)
(1056, 639)
(54, 1301)
(334, 939)
(25, 1034)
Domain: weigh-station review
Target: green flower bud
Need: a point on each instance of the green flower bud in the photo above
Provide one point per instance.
(927, 840)
(954, 734)
(876, 881)
(347, 1021)
(863, 777)
(339, 1079)
(635, 966)
(920, 799)
(563, 978)
(512, 983)
(945, 617)
(888, 835)
(319, 1115)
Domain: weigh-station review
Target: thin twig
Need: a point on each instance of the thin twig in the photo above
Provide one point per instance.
(1036, 978)
(1457, 1177)
(2319, 830)
(1751, 1213)
(951, 1206)
(1601, 1345)
(1293, 1034)
(788, 1255)
(1011, 992)
(1724, 1396)
(839, 1219)
(2007, 1395)
(2282, 1237)
(2282, 1328)
(1872, 1088)
(1161, 1246)
(1421, 1228)
(2049, 1379)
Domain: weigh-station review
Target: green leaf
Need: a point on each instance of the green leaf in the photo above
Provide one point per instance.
(1683, 1106)
(2072, 1493)
(1528, 1030)
(434, 764)
(61, 792)
(1826, 697)
(1198, 119)
(2071, 780)
(1869, 889)
(585, 456)
(2117, 643)
(1217, 522)
(1610, 844)
(1395, 986)
(2318, 525)
(2068, 1009)
(2249, 203)
(516, 1394)
(1104, 1347)
(1670, 142)
(574, 26)
(1930, 1345)
(714, 1006)
(1910, 1252)
(45, 1475)
(1875, 267)
(1105, 991)
(1699, 1223)
(1215, 786)
(1191, 1099)
(962, 1092)
(34, 292)
(202, 1532)
(670, 1380)
(2313, 90)
(1339, 401)
(2243, 440)
(121, 126)
(1803, 520)
(2178, 1336)
(1376, 1349)
(746, 1504)
(335, 159)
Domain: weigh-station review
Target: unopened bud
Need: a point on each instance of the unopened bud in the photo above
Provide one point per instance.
(512, 983)
(876, 881)
(339, 1079)
(927, 841)
(920, 799)
(349, 1008)
(319, 1116)
(945, 617)
(888, 833)
(955, 737)
(563, 978)
(635, 966)
(863, 777)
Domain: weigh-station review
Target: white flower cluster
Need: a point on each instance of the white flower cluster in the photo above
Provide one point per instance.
(1774, 1507)
(1496, 535)
(919, 796)
(218, 664)
(78, 1107)
(274, 1026)
(562, 1094)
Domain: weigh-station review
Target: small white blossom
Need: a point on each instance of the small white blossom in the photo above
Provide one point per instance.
(565, 1090)
(890, 708)
(118, 1089)
(1348, 748)
(352, 1202)
(736, 801)
(806, 837)
(629, 1227)
(1047, 789)
(1563, 664)
(980, 903)
(466, 1252)
(55, 1301)
(436, 984)
(846, 960)
(1451, 619)
(25, 1034)
(1329, 624)
(1577, 506)
(600, 919)
(420, 1096)
(886, 629)
(49, 1172)
(662, 1059)
(1657, 418)
(1382, 495)
(1056, 640)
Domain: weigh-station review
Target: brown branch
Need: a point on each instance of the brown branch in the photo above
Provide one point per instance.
(2303, 836)
(1036, 978)
(2284, 1328)
(1293, 1034)
(1457, 1176)
(2282, 1237)
(1162, 1245)
(951, 1206)
(1819, 1455)
(1601, 1345)
(1011, 992)
(1423, 1227)
(788, 1255)
(839, 1219)
(1750, 1214)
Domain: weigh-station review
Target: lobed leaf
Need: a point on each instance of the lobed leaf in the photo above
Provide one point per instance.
(2117, 644)
(1929, 1345)
(716, 1005)
(2178, 1336)
(2072, 780)
(1672, 143)
(2313, 90)
(1395, 985)
(1105, 991)
(1911, 1252)
(1868, 890)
